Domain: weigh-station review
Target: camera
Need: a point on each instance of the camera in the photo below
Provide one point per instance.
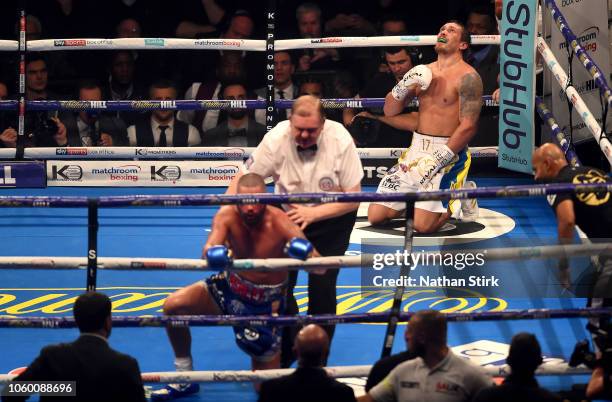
(44, 131)
(582, 354)
(364, 130)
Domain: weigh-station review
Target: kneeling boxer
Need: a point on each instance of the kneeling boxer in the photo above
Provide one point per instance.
(450, 97)
(238, 231)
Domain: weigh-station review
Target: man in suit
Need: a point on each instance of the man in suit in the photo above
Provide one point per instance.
(160, 128)
(87, 129)
(239, 130)
(100, 373)
(284, 88)
(309, 382)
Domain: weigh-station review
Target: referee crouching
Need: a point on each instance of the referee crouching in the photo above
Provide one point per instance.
(309, 154)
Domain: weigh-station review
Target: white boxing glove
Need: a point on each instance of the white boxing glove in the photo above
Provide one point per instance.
(430, 165)
(419, 75)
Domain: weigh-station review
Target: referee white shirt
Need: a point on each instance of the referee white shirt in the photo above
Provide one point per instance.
(334, 166)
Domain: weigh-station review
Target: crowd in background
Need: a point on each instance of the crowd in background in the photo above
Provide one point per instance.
(213, 74)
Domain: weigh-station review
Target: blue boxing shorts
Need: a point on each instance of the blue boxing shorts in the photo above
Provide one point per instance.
(237, 296)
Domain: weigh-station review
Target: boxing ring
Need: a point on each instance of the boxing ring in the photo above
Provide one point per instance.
(162, 233)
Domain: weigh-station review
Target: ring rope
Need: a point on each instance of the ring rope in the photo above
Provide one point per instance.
(276, 264)
(303, 198)
(588, 63)
(232, 44)
(166, 377)
(207, 104)
(575, 98)
(195, 153)
(292, 320)
(557, 134)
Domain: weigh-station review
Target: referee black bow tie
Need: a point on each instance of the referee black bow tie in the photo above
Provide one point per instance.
(312, 148)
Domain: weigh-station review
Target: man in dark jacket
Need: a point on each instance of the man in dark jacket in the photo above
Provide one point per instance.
(239, 130)
(309, 382)
(100, 373)
(524, 358)
(161, 128)
(90, 129)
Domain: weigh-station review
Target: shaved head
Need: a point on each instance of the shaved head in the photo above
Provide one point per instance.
(311, 346)
(252, 180)
(549, 150)
(547, 161)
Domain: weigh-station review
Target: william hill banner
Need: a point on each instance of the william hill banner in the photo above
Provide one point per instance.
(517, 84)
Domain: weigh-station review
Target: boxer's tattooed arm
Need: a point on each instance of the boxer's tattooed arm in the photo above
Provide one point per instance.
(470, 96)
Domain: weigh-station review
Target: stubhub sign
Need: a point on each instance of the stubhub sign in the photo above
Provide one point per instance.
(22, 175)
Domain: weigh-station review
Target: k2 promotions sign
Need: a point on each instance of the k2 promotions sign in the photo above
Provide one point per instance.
(141, 173)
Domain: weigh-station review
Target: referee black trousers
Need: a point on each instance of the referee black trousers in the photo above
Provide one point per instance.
(330, 238)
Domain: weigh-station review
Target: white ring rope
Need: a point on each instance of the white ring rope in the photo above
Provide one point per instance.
(235, 153)
(232, 44)
(272, 264)
(574, 97)
(165, 377)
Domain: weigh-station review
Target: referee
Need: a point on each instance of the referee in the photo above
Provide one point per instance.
(309, 154)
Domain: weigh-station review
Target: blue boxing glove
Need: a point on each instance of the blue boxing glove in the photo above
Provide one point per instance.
(298, 248)
(219, 258)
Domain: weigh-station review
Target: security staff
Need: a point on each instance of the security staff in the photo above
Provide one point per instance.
(592, 212)
(310, 154)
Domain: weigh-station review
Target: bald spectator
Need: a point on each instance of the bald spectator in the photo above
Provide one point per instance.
(524, 358)
(434, 369)
(309, 382)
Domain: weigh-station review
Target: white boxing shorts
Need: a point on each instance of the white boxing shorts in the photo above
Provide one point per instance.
(404, 176)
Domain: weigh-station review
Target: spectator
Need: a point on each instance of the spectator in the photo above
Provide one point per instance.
(435, 368)
(128, 28)
(86, 129)
(230, 68)
(3, 91)
(100, 372)
(283, 86)
(122, 84)
(239, 130)
(383, 367)
(311, 86)
(41, 128)
(309, 382)
(121, 79)
(372, 128)
(485, 60)
(308, 17)
(240, 26)
(161, 128)
(524, 358)
(393, 25)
